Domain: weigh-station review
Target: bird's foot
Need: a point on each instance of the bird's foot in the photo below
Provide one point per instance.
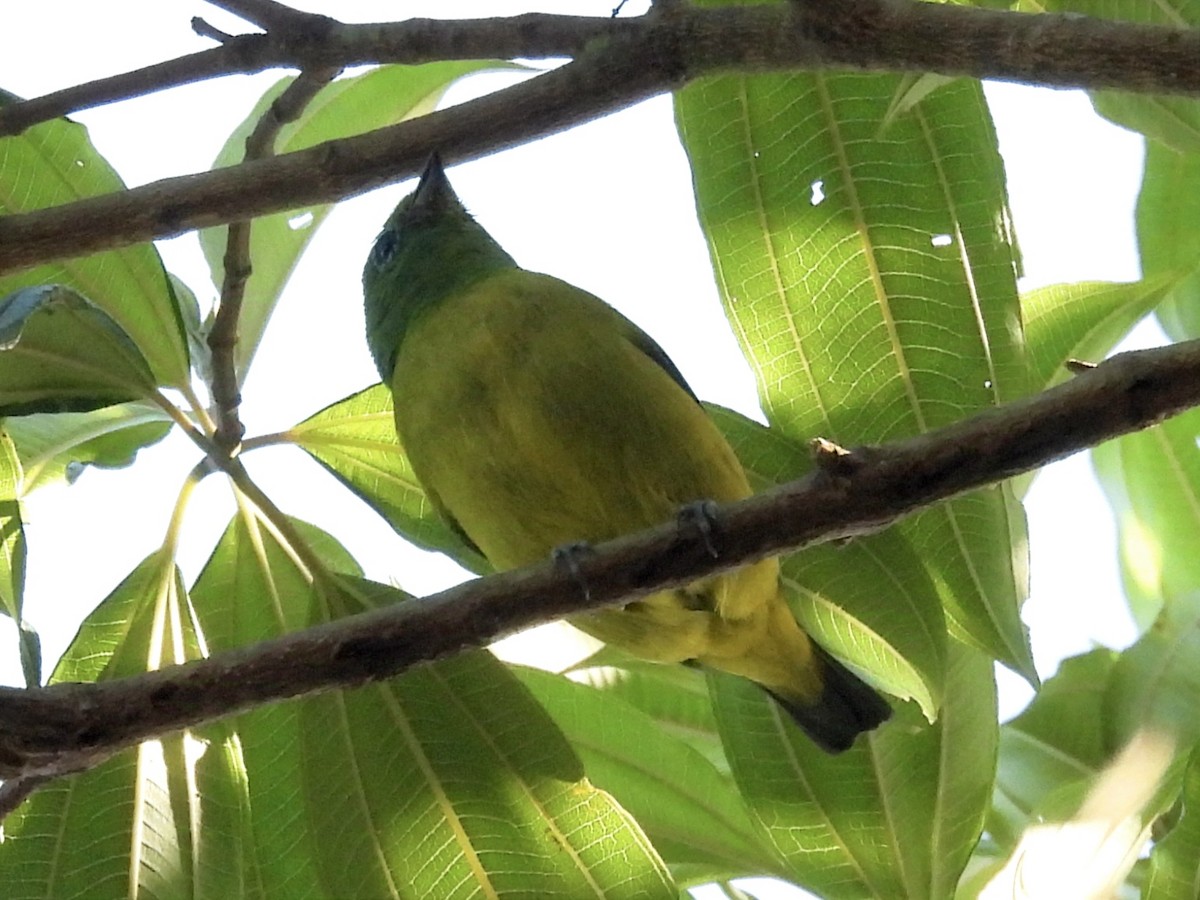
(568, 557)
(701, 516)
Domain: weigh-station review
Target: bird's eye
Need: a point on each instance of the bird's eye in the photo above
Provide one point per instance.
(384, 249)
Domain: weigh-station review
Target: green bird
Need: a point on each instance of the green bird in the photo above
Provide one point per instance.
(536, 416)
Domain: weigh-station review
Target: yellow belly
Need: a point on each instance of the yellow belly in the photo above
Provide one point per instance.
(535, 421)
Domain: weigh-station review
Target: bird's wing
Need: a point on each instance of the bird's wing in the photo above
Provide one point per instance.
(450, 520)
(647, 345)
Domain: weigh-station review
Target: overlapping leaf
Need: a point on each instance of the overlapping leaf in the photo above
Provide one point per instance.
(53, 446)
(1156, 682)
(12, 560)
(1064, 815)
(869, 274)
(691, 812)
(1168, 231)
(1152, 480)
(356, 441)
(895, 816)
(60, 352)
(449, 781)
(348, 106)
(1083, 321)
(675, 697)
(1175, 862)
(1172, 120)
(164, 819)
(55, 163)
(1052, 751)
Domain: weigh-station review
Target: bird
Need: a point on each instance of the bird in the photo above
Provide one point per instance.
(536, 417)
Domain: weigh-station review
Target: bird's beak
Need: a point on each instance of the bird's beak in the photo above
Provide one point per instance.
(433, 187)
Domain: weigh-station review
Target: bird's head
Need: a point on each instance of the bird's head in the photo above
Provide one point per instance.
(429, 249)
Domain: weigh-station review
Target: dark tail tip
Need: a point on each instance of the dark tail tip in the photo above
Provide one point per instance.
(847, 707)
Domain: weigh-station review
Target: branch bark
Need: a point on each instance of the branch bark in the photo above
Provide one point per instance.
(50, 731)
(223, 338)
(623, 63)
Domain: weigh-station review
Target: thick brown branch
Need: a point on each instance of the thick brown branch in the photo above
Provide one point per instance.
(652, 54)
(48, 731)
(336, 169)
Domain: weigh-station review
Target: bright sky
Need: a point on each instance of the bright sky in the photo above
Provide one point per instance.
(608, 207)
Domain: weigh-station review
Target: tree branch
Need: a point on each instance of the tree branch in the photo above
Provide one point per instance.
(267, 14)
(415, 41)
(222, 339)
(639, 58)
(65, 727)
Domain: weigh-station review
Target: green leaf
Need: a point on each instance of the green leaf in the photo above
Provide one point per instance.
(354, 105)
(55, 163)
(355, 439)
(1083, 321)
(1175, 860)
(871, 602)
(1050, 753)
(675, 697)
(1074, 801)
(12, 560)
(1168, 231)
(872, 286)
(1152, 480)
(692, 813)
(912, 89)
(164, 819)
(60, 352)
(1156, 682)
(449, 781)
(897, 814)
(1173, 121)
(195, 328)
(56, 446)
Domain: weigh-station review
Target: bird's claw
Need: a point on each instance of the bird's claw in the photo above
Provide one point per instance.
(567, 557)
(701, 516)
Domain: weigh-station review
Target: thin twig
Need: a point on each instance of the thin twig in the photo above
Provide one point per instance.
(207, 29)
(223, 337)
(61, 728)
(213, 63)
(1044, 48)
(530, 36)
(268, 14)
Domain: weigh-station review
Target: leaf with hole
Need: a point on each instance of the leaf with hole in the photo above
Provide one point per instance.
(872, 286)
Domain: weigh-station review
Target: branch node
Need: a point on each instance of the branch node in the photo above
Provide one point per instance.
(569, 558)
(833, 459)
(701, 516)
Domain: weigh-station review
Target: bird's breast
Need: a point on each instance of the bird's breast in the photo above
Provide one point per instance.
(525, 407)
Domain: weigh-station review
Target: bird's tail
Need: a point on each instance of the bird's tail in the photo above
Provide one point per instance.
(846, 707)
